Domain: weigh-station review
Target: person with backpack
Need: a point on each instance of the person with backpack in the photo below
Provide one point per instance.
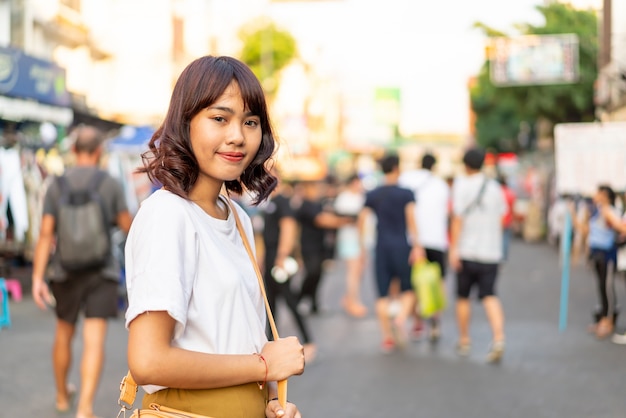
(74, 270)
(475, 250)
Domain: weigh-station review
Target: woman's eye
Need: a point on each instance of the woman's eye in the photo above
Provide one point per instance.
(218, 119)
(252, 123)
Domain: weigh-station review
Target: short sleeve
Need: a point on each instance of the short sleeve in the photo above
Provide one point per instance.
(458, 204)
(283, 208)
(119, 199)
(308, 211)
(161, 260)
(408, 196)
(51, 198)
(369, 200)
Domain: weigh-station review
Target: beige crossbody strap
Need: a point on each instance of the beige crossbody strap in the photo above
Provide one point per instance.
(282, 384)
(259, 276)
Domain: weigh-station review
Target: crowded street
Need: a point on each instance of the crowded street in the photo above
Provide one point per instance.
(545, 373)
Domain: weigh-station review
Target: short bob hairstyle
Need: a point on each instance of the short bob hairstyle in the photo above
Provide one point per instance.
(171, 161)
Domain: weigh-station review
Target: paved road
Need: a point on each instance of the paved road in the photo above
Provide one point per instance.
(544, 374)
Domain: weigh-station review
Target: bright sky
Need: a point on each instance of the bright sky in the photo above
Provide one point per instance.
(427, 48)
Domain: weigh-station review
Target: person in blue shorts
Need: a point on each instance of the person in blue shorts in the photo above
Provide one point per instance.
(396, 249)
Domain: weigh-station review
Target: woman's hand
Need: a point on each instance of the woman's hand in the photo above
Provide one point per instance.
(284, 358)
(274, 410)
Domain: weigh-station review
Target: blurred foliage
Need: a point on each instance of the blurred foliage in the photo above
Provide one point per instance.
(500, 110)
(267, 50)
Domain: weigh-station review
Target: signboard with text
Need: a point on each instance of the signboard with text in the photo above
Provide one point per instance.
(533, 60)
(588, 155)
(27, 77)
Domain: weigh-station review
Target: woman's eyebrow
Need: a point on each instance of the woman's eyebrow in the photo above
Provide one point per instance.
(230, 110)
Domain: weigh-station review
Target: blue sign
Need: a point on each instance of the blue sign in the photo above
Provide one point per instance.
(28, 77)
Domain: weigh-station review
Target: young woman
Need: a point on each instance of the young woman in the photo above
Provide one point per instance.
(349, 202)
(196, 316)
(601, 228)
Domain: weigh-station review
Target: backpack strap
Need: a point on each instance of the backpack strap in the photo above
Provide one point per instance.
(64, 187)
(96, 179)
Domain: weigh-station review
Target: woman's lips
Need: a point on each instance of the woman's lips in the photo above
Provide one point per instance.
(232, 156)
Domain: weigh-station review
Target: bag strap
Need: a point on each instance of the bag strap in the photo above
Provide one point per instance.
(128, 386)
(259, 276)
(282, 384)
(478, 200)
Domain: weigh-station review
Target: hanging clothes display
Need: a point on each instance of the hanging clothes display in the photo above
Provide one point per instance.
(13, 195)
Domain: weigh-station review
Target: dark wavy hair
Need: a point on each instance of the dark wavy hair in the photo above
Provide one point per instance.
(170, 159)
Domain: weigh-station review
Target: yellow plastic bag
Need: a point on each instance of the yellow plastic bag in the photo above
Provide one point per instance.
(426, 280)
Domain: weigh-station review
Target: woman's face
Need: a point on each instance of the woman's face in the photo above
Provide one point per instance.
(600, 198)
(225, 137)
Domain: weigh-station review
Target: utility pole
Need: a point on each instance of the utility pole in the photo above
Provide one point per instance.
(604, 57)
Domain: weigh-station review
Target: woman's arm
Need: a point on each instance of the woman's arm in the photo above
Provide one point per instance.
(613, 220)
(153, 360)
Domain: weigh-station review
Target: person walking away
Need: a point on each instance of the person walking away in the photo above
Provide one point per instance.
(349, 202)
(396, 249)
(314, 222)
(476, 250)
(432, 208)
(196, 315)
(280, 232)
(602, 228)
(507, 219)
(90, 290)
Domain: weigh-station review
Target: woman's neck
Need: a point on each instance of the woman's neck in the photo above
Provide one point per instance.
(208, 198)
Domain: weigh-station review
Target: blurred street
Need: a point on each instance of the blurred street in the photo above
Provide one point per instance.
(545, 373)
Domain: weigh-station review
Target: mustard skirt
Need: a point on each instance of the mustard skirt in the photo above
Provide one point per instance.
(242, 401)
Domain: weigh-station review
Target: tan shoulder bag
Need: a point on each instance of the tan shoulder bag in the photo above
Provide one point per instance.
(128, 386)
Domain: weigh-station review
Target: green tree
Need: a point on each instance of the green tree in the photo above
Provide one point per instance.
(267, 49)
(500, 110)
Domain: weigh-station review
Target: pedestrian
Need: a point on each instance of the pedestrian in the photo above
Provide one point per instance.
(507, 219)
(90, 291)
(476, 250)
(280, 233)
(432, 197)
(314, 222)
(396, 249)
(602, 227)
(196, 315)
(349, 202)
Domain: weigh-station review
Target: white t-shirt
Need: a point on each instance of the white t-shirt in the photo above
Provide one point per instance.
(481, 234)
(432, 196)
(349, 203)
(181, 260)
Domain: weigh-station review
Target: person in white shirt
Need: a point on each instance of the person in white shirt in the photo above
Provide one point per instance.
(476, 249)
(432, 197)
(196, 316)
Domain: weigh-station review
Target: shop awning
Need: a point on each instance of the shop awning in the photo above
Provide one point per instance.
(19, 110)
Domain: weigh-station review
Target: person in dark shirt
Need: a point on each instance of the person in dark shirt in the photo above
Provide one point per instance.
(279, 237)
(314, 222)
(397, 248)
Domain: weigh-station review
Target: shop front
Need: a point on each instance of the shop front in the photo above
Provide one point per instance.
(32, 92)
(35, 111)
